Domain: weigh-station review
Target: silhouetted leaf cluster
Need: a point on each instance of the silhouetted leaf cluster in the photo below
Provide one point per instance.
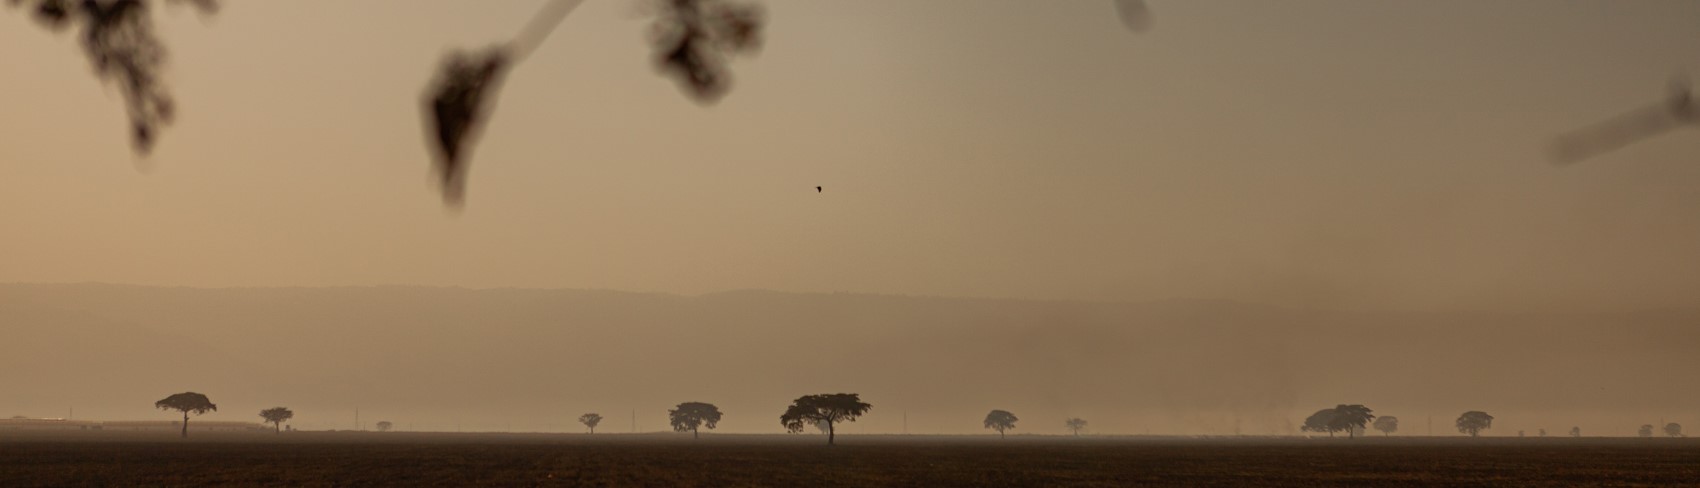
(118, 37)
(457, 104)
(694, 38)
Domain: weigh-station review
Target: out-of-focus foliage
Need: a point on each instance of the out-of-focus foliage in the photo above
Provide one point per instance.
(693, 40)
(1679, 109)
(118, 38)
(1134, 14)
(456, 106)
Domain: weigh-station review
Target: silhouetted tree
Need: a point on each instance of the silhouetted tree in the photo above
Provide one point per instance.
(1520, 433)
(1541, 433)
(1575, 432)
(1351, 418)
(1673, 429)
(187, 402)
(277, 416)
(1321, 421)
(1000, 420)
(590, 420)
(828, 408)
(1387, 424)
(1075, 424)
(692, 415)
(385, 426)
(1474, 422)
(1646, 430)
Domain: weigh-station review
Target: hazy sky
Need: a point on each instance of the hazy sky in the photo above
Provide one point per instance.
(1311, 153)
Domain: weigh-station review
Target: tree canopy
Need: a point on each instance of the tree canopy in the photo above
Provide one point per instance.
(188, 403)
(1000, 420)
(590, 420)
(1387, 424)
(1474, 422)
(828, 409)
(277, 416)
(1075, 424)
(690, 416)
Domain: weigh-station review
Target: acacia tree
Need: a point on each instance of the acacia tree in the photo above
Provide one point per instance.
(692, 415)
(1646, 430)
(385, 426)
(277, 416)
(187, 402)
(1575, 432)
(1474, 422)
(1673, 429)
(1075, 424)
(590, 420)
(829, 409)
(1000, 420)
(1387, 424)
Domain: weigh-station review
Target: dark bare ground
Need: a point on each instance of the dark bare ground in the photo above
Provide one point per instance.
(324, 459)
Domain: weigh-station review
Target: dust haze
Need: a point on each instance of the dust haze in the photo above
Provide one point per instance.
(1176, 218)
(532, 360)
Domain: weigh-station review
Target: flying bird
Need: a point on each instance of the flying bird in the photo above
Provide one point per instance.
(1679, 109)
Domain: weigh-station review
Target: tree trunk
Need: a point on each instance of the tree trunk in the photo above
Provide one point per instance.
(278, 426)
(1000, 434)
(185, 424)
(829, 433)
(694, 434)
(592, 429)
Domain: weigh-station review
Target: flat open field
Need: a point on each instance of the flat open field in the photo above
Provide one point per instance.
(351, 458)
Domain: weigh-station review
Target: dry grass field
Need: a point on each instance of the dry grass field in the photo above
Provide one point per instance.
(355, 458)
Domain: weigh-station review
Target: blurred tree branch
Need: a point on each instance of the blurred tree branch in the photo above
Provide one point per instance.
(118, 38)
